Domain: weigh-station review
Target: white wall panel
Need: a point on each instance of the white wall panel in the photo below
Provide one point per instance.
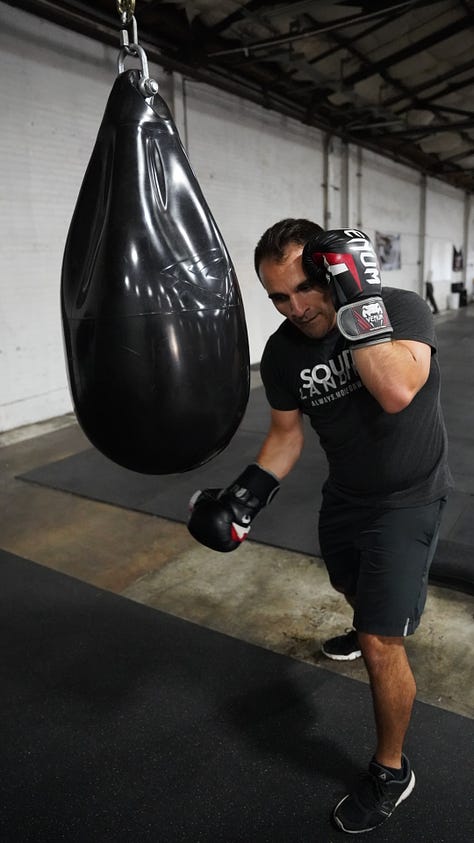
(391, 205)
(469, 257)
(255, 167)
(444, 226)
(355, 188)
(334, 212)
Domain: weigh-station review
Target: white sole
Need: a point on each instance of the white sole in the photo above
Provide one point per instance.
(404, 795)
(354, 655)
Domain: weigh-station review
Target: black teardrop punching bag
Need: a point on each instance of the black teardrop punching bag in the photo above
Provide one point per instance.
(154, 327)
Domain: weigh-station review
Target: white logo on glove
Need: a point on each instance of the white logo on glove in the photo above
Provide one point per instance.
(374, 314)
(238, 532)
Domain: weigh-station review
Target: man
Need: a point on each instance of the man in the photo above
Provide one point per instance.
(361, 363)
(430, 297)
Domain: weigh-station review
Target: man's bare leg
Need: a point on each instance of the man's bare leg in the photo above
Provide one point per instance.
(393, 693)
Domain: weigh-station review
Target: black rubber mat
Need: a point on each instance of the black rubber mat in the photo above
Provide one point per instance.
(291, 521)
(121, 723)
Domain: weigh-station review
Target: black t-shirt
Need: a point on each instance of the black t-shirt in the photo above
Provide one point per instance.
(375, 458)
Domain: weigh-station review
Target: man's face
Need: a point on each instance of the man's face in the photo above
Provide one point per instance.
(310, 308)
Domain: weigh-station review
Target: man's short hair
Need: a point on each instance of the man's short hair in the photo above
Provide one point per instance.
(274, 242)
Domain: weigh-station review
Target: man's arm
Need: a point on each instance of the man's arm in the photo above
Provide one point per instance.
(393, 372)
(283, 444)
(221, 518)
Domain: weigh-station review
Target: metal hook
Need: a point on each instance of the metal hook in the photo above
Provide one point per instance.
(126, 10)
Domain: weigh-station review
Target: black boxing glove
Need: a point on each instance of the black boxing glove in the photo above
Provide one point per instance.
(221, 518)
(345, 259)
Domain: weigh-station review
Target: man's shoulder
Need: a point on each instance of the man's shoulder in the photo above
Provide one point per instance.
(410, 316)
(285, 333)
(398, 294)
(397, 291)
(405, 302)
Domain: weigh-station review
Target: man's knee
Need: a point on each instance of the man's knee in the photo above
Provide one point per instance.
(380, 650)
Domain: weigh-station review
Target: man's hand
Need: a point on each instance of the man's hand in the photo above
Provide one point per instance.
(221, 518)
(346, 261)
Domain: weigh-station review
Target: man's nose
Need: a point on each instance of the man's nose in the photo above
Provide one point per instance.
(298, 306)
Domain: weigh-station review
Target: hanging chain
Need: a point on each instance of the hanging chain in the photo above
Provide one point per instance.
(126, 10)
(148, 87)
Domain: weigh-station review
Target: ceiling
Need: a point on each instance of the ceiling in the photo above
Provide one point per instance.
(391, 76)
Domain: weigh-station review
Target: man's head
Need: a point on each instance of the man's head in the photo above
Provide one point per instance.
(306, 304)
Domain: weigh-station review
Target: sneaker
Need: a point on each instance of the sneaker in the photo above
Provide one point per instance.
(374, 800)
(342, 647)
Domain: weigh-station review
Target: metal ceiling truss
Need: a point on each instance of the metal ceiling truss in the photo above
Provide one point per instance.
(293, 69)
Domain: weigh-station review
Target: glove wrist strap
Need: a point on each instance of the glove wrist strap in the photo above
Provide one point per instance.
(255, 482)
(364, 320)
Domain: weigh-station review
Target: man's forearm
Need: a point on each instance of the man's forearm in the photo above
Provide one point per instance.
(393, 372)
(280, 452)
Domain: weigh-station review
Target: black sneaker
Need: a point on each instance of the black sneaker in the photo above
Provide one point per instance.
(374, 800)
(342, 647)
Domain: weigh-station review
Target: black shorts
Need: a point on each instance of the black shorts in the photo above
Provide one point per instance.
(381, 558)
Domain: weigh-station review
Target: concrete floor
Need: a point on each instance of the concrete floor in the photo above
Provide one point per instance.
(270, 597)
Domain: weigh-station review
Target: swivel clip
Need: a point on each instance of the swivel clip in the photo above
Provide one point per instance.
(148, 87)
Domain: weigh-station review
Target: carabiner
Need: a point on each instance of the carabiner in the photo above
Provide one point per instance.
(126, 10)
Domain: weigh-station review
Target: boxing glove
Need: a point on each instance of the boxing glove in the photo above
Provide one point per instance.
(221, 518)
(346, 262)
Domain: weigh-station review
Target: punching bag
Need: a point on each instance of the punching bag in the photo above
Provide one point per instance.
(154, 327)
